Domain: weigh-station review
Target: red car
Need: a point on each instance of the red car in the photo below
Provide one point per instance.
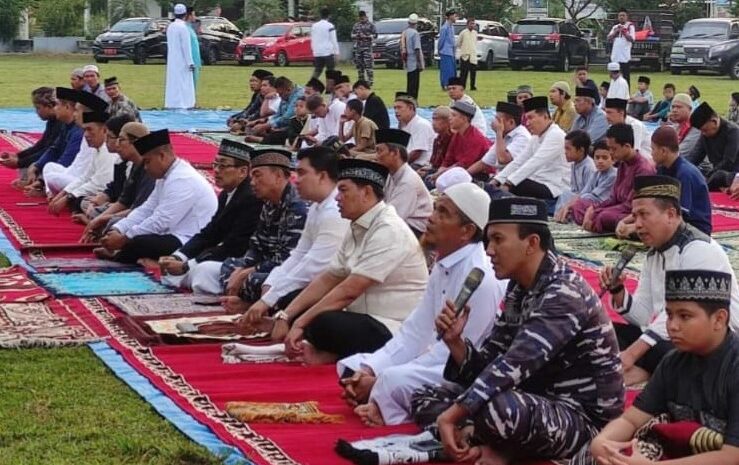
(278, 43)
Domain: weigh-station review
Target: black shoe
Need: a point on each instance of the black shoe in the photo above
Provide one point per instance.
(473, 88)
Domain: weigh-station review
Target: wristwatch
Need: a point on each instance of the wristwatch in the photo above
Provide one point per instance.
(281, 315)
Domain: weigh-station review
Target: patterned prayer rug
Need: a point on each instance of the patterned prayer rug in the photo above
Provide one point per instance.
(17, 287)
(155, 305)
(41, 325)
(171, 326)
(725, 220)
(96, 283)
(53, 264)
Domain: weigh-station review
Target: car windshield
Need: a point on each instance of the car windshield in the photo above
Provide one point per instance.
(534, 28)
(129, 26)
(391, 27)
(461, 27)
(271, 30)
(703, 29)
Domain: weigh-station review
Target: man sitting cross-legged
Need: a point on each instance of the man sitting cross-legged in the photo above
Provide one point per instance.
(696, 385)
(547, 377)
(280, 225)
(674, 245)
(372, 284)
(180, 205)
(324, 230)
(228, 232)
(380, 384)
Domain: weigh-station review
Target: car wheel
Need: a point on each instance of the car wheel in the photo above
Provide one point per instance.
(100, 60)
(211, 56)
(139, 56)
(564, 63)
(489, 60)
(734, 69)
(282, 59)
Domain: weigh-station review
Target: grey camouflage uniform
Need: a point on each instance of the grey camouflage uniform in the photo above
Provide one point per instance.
(546, 379)
(363, 33)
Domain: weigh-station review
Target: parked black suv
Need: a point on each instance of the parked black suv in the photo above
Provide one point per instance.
(726, 55)
(547, 41)
(386, 47)
(139, 39)
(691, 50)
(132, 38)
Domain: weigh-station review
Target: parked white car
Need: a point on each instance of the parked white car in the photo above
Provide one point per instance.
(492, 42)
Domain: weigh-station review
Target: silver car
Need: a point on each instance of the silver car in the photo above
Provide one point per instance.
(492, 42)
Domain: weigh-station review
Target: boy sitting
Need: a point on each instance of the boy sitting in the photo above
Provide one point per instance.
(642, 100)
(598, 187)
(696, 385)
(661, 110)
(577, 148)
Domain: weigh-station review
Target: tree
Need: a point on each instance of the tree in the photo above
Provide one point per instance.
(120, 9)
(403, 8)
(60, 17)
(343, 14)
(487, 9)
(258, 12)
(579, 10)
(10, 15)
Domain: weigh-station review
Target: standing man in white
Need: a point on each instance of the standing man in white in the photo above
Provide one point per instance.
(323, 44)
(622, 35)
(180, 89)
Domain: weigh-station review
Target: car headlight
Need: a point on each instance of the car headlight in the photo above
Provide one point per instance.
(678, 50)
(392, 43)
(719, 49)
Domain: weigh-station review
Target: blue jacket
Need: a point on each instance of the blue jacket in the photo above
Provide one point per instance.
(64, 149)
(286, 110)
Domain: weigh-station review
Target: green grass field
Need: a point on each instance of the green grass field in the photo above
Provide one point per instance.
(62, 406)
(226, 85)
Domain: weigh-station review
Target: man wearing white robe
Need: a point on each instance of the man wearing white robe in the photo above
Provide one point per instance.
(383, 381)
(180, 90)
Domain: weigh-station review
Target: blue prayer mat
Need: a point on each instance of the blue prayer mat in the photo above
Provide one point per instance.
(100, 283)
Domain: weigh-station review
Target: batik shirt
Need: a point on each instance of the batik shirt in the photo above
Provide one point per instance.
(553, 340)
(278, 231)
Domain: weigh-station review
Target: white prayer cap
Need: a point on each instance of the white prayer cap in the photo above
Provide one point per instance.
(452, 176)
(472, 201)
(92, 68)
(613, 66)
(180, 9)
(413, 18)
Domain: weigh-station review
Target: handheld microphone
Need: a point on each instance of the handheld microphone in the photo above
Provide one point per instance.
(626, 255)
(471, 283)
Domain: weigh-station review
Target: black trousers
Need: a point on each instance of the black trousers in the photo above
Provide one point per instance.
(413, 80)
(529, 188)
(626, 72)
(320, 62)
(277, 137)
(466, 67)
(148, 246)
(718, 179)
(346, 333)
(628, 334)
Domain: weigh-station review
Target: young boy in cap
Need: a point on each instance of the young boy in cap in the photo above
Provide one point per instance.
(673, 245)
(696, 385)
(577, 153)
(405, 189)
(603, 93)
(642, 100)
(719, 143)
(455, 90)
(619, 88)
(565, 114)
(547, 377)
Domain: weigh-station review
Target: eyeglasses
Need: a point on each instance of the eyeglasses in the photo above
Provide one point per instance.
(221, 166)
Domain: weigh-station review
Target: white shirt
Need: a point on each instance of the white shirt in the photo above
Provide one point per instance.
(422, 138)
(329, 125)
(381, 247)
(406, 192)
(274, 103)
(516, 143)
(182, 203)
(323, 41)
(324, 230)
(99, 173)
(621, 51)
(642, 139)
(81, 161)
(646, 308)
(619, 89)
(478, 120)
(416, 338)
(543, 162)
